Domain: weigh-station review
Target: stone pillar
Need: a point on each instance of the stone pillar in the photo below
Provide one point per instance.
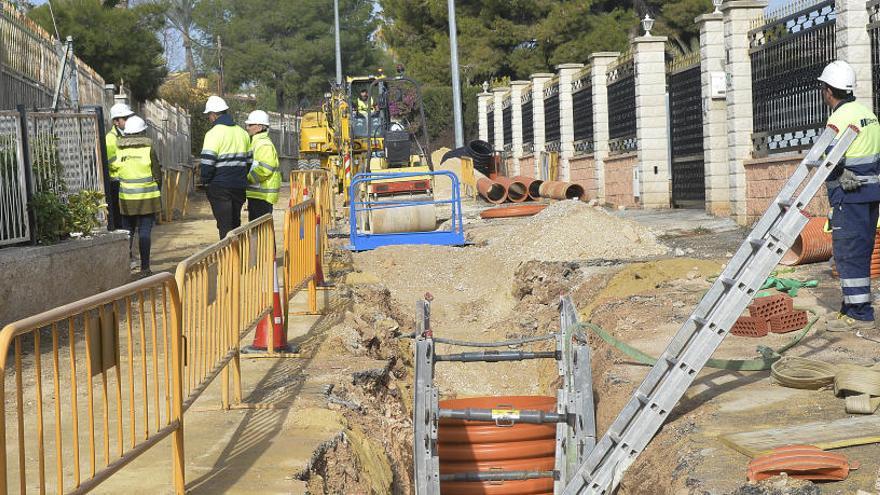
(738, 16)
(599, 63)
(538, 82)
(854, 44)
(517, 89)
(566, 117)
(483, 114)
(652, 121)
(498, 95)
(713, 81)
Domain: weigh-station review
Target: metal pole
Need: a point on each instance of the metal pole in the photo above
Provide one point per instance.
(338, 45)
(456, 84)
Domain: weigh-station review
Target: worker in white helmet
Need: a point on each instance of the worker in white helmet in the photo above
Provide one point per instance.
(119, 113)
(264, 179)
(854, 195)
(140, 174)
(225, 163)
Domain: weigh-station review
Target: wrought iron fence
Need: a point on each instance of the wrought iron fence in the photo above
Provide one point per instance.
(874, 30)
(507, 127)
(490, 126)
(528, 117)
(787, 54)
(582, 103)
(552, 132)
(622, 105)
(685, 102)
(14, 225)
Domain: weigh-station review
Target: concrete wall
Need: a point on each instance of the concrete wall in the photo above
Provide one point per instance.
(38, 278)
(583, 172)
(619, 179)
(766, 176)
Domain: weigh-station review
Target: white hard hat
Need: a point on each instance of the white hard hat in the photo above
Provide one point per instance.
(258, 117)
(215, 104)
(120, 110)
(135, 125)
(839, 75)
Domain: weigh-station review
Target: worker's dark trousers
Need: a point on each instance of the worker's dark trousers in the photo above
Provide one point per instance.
(258, 208)
(853, 228)
(226, 205)
(142, 226)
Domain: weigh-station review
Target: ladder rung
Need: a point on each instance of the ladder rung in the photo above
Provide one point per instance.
(727, 281)
(756, 242)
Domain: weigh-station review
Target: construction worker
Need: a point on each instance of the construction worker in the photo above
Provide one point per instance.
(139, 174)
(264, 179)
(854, 195)
(365, 104)
(119, 113)
(225, 162)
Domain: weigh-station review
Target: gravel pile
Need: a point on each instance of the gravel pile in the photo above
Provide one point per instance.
(572, 231)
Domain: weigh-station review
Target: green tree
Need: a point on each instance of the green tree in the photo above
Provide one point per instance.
(675, 19)
(120, 44)
(287, 47)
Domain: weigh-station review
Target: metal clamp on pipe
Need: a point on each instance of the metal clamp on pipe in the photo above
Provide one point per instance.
(500, 476)
(504, 417)
(496, 356)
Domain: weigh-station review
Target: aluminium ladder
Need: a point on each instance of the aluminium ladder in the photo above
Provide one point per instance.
(575, 423)
(710, 322)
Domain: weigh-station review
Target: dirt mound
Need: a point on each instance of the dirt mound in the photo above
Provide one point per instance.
(572, 230)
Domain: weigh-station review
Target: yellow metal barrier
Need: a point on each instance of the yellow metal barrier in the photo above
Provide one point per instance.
(468, 179)
(319, 183)
(114, 388)
(300, 251)
(225, 289)
(176, 185)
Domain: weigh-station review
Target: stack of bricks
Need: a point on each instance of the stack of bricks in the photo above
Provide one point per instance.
(774, 314)
(619, 179)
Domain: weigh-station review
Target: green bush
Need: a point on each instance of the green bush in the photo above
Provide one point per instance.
(439, 114)
(83, 208)
(57, 219)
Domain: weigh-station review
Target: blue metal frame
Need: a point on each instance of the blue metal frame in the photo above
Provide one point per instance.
(360, 241)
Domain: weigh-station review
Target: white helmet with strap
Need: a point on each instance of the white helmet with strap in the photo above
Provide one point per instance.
(258, 117)
(120, 111)
(839, 75)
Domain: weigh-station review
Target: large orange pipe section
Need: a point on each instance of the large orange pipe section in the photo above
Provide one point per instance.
(471, 446)
(516, 190)
(532, 184)
(561, 190)
(812, 245)
(491, 191)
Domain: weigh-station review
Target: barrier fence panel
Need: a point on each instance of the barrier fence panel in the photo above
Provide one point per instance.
(622, 105)
(582, 112)
(552, 135)
(300, 254)
(91, 386)
(787, 55)
(14, 225)
(686, 117)
(225, 289)
(874, 30)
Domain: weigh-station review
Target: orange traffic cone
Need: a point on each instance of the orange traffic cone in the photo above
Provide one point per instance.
(279, 333)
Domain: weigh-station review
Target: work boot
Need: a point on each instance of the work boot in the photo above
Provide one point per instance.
(843, 323)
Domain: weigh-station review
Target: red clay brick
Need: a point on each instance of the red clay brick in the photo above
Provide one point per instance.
(788, 322)
(770, 306)
(749, 326)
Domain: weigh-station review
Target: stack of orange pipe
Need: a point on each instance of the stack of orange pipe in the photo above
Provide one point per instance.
(470, 446)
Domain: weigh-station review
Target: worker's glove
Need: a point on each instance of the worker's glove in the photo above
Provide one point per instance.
(848, 181)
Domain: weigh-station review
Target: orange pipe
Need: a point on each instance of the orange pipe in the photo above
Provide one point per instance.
(491, 191)
(541, 464)
(512, 211)
(812, 245)
(516, 190)
(527, 487)
(561, 190)
(532, 184)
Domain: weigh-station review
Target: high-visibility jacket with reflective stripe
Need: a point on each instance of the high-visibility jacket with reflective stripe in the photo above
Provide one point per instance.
(136, 180)
(112, 151)
(264, 179)
(862, 157)
(365, 107)
(225, 157)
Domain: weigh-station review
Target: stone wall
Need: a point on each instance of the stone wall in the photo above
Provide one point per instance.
(583, 172)
(619, 179)
(766, 176)
(527, 166)
(39, 278)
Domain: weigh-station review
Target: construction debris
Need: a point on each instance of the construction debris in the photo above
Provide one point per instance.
(804, 462)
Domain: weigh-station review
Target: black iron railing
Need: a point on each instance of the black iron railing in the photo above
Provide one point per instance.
(490, 126)
(507, 116)
(528, 116)
(686, 115)
(787, 55)
(582, 103)
(552, 132)
(622, 106)
(874, 30)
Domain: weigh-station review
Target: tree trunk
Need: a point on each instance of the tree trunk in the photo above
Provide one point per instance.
(188, 53)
